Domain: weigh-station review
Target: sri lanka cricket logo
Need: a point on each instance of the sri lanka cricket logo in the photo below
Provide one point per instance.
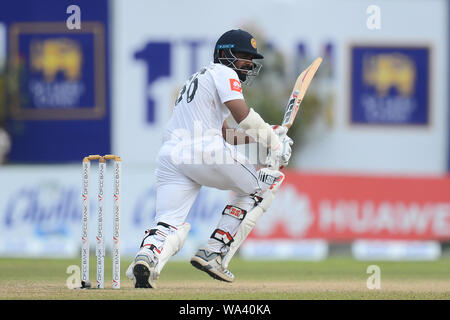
(390, 85)
(386, 71)
(62, 74)
(51, 56)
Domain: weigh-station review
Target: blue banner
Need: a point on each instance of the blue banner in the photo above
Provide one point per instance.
(60, 111)
(390, 85)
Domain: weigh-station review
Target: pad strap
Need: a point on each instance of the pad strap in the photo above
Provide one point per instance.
(168, 226)
(151, 232)
(153, 248)
(148, 233)
(222, 236)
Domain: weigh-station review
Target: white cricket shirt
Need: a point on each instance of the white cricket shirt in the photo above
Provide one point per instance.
(199, 109)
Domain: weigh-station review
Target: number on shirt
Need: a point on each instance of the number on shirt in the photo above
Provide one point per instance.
(190, 88)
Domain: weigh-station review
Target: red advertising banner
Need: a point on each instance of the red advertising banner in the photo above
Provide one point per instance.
(349, 207)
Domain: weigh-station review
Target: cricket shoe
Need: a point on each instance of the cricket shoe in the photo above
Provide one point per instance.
(211, 263)
(144, 270)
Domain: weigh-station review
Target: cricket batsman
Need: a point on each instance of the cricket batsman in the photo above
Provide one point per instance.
(203, 105)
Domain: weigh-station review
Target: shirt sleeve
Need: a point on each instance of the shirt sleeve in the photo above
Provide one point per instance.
(227, 84)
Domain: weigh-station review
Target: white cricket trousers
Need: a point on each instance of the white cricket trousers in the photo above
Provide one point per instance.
(179, 177)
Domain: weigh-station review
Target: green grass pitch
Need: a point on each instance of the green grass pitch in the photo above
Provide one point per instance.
(334, 278)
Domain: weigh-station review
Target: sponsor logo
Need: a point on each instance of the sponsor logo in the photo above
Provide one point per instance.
(235, 85)
(385, 219)
(386, 71)
(390, 85)
(46, 208)
(235, 212)
(56, 73)
(55, 55)
(291, 212)
(64, 73)
(344, 213)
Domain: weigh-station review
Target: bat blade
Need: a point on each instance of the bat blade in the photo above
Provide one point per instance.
(298, 92)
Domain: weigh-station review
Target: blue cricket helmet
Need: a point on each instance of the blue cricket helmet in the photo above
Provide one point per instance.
(237, 41)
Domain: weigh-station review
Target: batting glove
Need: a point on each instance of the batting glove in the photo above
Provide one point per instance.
(283, 153)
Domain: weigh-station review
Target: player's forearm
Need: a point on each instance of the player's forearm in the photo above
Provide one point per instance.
(235, 137)
(259, 130)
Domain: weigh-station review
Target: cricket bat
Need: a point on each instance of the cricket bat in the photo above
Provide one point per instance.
(298, 93)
